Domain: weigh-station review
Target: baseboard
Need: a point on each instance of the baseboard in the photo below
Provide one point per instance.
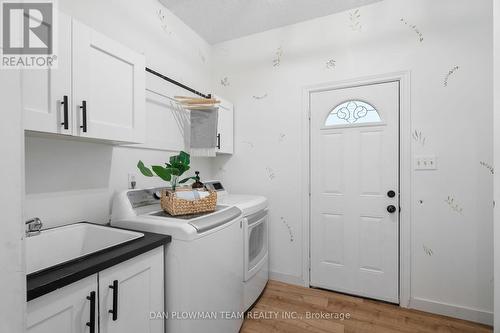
(286, 278)
(450, 310)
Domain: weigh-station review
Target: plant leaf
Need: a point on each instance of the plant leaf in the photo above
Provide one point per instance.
(144, 170)
(173, 171)
(184, 158)
(162, 172)
(186, 179)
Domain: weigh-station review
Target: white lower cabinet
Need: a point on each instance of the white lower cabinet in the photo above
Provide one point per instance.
(66, 310)
(124, 295)
(128, 293)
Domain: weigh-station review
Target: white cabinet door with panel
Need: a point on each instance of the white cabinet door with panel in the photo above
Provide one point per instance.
(71, 309)
(225, 127)
(109, 88)
(45, 90)
(129, 291)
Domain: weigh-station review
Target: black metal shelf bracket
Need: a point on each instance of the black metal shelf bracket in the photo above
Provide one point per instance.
(183, 86)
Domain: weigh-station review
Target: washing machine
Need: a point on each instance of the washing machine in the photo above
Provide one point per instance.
(203, 267)
(255, 239)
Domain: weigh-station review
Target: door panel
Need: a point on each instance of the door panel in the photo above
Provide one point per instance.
(354, 162)
(110, 78)
(64, 310)
(140, 292)
(44, 89)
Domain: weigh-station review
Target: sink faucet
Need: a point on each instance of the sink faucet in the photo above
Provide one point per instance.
(33, 226)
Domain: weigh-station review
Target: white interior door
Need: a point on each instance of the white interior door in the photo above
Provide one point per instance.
(354, 165)
(110, 79)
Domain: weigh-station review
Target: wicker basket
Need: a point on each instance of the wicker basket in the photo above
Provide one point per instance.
(175, 206)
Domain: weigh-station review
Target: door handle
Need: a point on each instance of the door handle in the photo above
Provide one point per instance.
(218, 141)
(114, 311)
(84, 116)
(391, 194)
(391, 208)
(65, 112)
(91, 323)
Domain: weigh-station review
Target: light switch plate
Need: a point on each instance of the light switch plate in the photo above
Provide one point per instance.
(425, 162)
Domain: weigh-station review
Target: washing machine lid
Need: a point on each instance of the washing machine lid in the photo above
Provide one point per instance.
(249, 204)
(204, 222)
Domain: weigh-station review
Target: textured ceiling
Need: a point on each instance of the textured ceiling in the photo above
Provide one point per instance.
(220, 20)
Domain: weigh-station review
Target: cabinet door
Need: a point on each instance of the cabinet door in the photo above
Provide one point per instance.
(44, 89)
(225, 140)
(131, 291)
(108, 79)
(65, 310)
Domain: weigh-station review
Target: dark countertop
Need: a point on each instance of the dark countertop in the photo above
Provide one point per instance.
(44, 282)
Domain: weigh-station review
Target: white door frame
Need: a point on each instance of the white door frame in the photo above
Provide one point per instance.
(405, 174)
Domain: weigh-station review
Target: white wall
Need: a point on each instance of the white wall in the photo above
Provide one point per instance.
(82, 176)
(12, 270)
(496, 62)
(455, 120)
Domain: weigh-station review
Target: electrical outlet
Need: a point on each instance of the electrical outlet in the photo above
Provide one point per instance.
(427, 162)
(131, 181)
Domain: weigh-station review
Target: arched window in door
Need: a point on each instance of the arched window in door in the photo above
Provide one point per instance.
(352, 112)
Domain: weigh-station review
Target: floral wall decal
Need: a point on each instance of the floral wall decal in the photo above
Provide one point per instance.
(453, 204)
(428, 251)
(277, 57)
(290, 230)
(355, 19)
(330, 64)
(225, 82)
(249, 143)
(163, 21)
(449, 74)
(202, 57)
(418, 137)
(270, 173)
(488, 166)
(415, 29)
(260, 97)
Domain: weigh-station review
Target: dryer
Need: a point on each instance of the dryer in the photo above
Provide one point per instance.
(255, 239)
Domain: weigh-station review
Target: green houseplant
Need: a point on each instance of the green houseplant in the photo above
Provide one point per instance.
(177, 166)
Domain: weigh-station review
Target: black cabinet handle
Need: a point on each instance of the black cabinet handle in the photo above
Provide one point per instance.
(91, 323)
(114, 286)
(84, 116)
(218, 141)
(65, 112)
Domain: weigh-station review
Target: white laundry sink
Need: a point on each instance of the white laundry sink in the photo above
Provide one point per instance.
(59, 245)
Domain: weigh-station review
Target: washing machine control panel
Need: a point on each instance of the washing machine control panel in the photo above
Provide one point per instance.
(141, 198)
(215, 185)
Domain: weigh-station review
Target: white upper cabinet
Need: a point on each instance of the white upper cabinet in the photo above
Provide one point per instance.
(44, 90)
(109, 87)
(102, 81)
(225, 127)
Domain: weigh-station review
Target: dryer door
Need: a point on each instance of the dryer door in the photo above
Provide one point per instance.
(256, 246)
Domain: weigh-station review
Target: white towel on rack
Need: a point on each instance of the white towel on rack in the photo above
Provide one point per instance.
(204, 131)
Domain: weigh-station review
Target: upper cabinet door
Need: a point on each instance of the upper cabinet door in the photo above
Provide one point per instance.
(44, 89)
(109, 88)
(225, 139)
